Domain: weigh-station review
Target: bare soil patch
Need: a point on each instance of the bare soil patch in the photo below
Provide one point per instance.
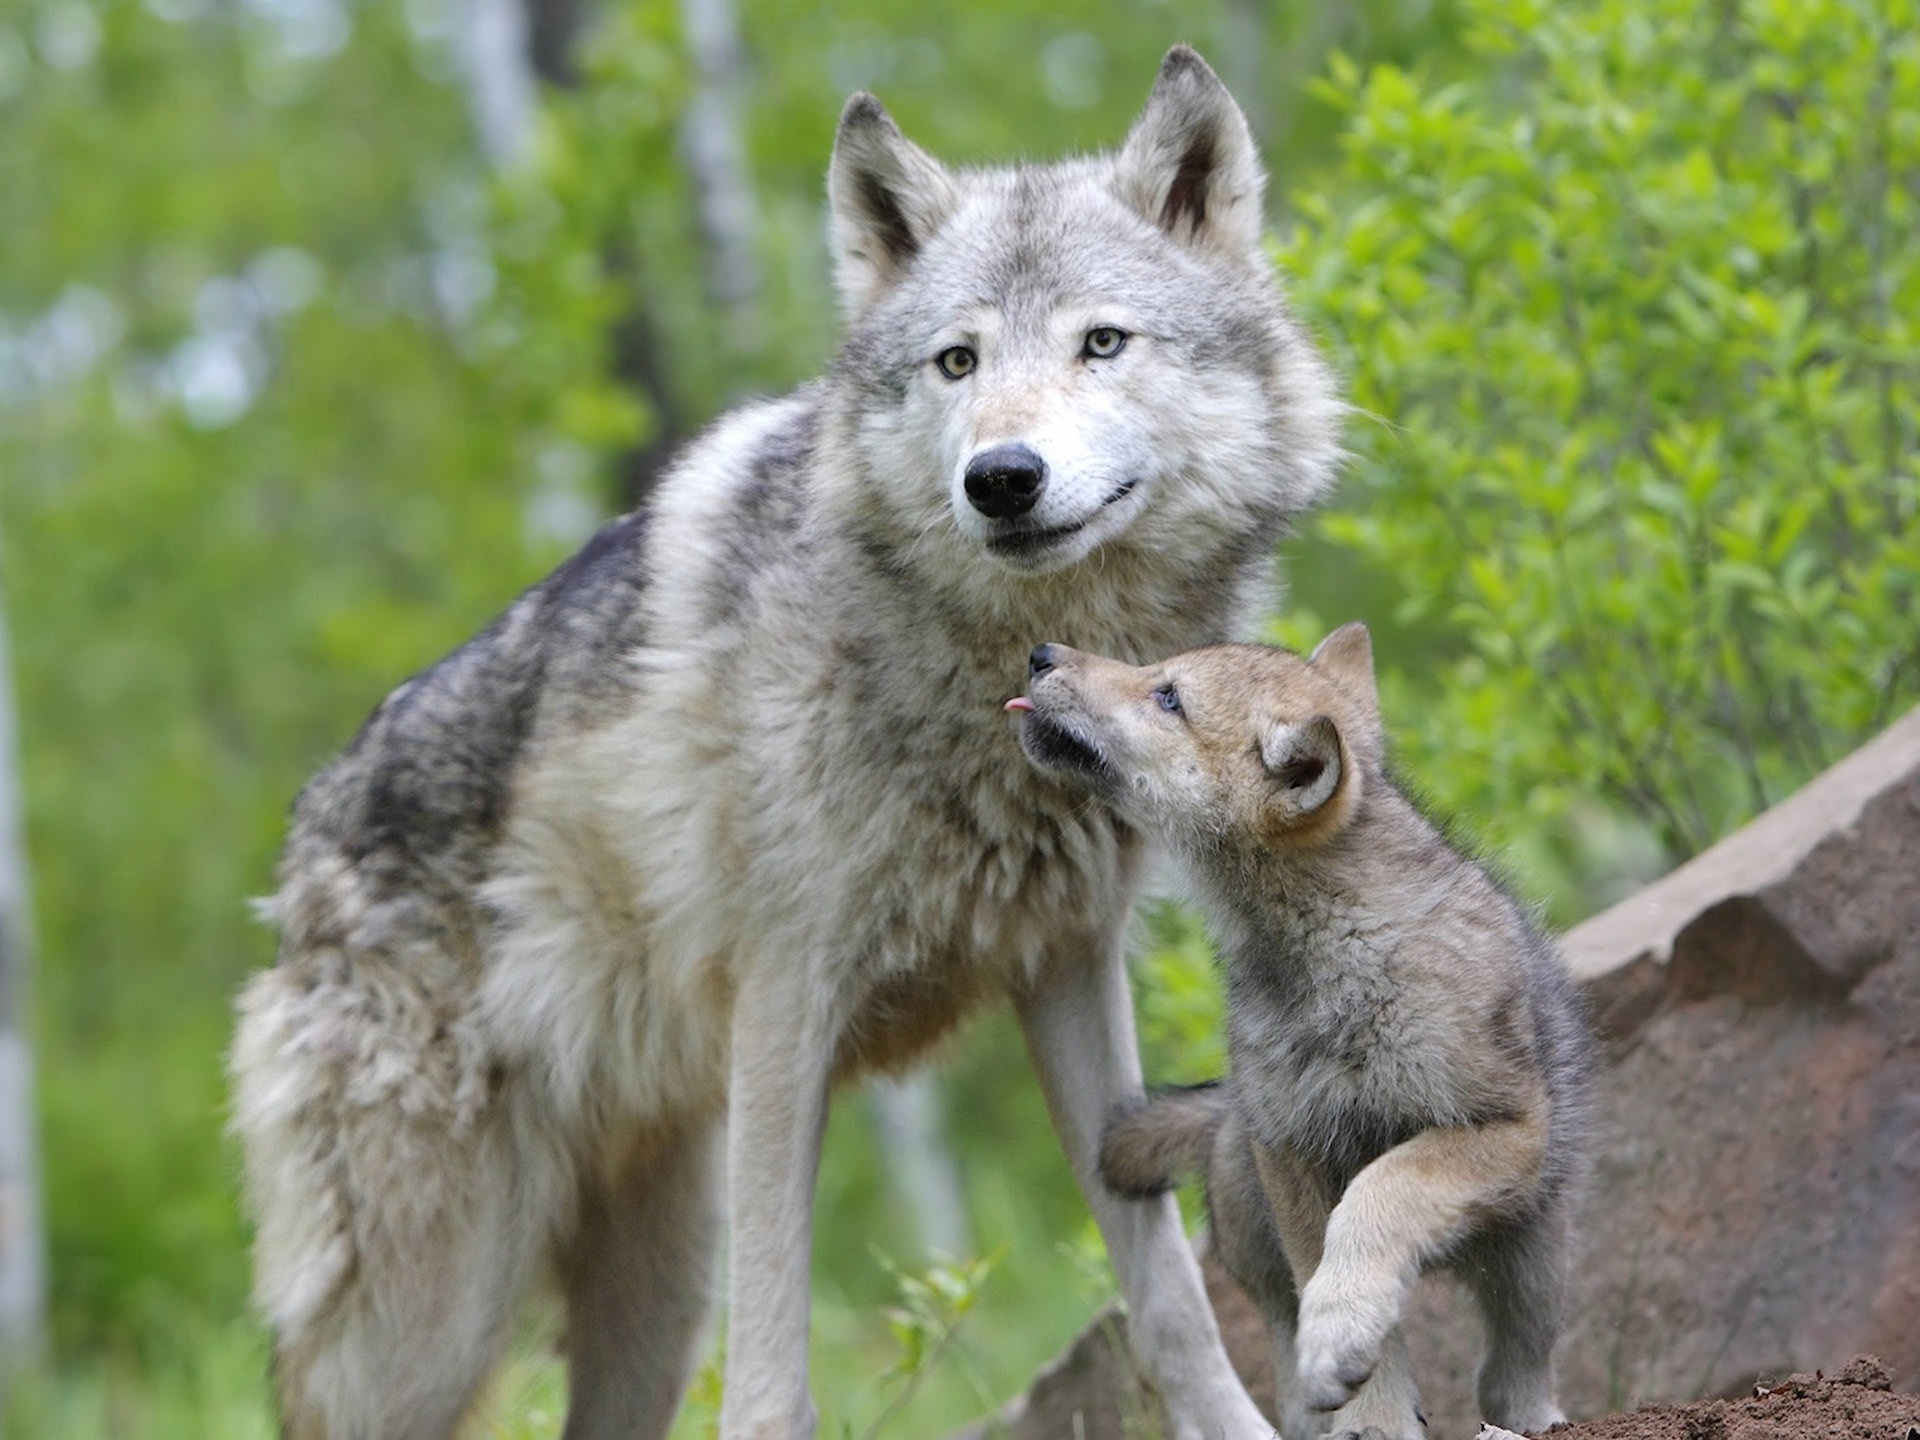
(1857, 1404)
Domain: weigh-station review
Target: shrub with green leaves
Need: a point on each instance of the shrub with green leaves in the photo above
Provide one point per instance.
(1630, 320)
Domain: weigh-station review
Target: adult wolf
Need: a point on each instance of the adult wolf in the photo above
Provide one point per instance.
(725, 810)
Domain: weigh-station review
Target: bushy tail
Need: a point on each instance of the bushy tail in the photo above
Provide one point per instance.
(1152, 1145)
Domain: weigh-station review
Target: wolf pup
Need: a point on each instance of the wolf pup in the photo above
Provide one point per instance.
(1409, 1060)
(590, 916)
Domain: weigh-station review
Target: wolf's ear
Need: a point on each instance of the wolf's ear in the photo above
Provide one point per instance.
(1347, 657)
(1189, 164)
(1304, 762)
(886, 196)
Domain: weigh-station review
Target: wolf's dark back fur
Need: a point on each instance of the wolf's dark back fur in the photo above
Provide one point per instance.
(424, 786)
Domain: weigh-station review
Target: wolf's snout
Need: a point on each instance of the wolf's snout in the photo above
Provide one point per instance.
(1040, 661)
(1005, 481)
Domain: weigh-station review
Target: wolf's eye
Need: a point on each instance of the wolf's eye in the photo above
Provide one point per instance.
(1168, 699)
(1104, 342)
(956, 362)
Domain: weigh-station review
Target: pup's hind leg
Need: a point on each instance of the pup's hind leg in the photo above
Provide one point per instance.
(1518, 1277)
(1387, 1407)
(639, 1285)
(1247, 1243)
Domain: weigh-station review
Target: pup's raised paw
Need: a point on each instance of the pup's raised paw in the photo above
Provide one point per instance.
(1342, 1328)
(1333, 1387)
(1328, 1373)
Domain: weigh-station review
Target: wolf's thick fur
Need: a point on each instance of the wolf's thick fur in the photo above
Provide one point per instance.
(591, 914)
(1409, 1059)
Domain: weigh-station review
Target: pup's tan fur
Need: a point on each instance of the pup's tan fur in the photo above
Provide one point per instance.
(1409, 1060)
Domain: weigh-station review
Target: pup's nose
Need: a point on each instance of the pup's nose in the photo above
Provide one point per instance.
(1040, 661)
(1005, 481)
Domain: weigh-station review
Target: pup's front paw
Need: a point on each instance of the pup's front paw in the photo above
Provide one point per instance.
(1337, 1346)
(1327, 1382)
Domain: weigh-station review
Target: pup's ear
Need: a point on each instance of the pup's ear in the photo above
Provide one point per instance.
(885, 196)
(1346, 656)
(1304, 761)
(1189, 164)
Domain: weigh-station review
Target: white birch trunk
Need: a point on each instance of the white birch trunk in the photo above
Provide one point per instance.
(715, 153)
(500, 81)
(23, 1283)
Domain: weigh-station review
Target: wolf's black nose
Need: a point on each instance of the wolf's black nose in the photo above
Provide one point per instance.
(1040, 661)
(1005, 481)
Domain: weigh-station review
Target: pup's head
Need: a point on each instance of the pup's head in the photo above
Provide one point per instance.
(1242, 744)
(1050, 359)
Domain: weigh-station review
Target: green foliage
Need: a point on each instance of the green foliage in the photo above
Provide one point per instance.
(260, 487)
(210, 1387)
(1178, 1003)
(1629, 316)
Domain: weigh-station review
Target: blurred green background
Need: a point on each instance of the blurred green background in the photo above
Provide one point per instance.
(324, 327)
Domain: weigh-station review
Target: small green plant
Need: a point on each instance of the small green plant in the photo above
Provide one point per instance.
(932, 1308)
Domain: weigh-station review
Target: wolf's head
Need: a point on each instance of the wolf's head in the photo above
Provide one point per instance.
(1244, 745)
(1051, 362)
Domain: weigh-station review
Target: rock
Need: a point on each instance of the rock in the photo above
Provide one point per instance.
(1755, 1203)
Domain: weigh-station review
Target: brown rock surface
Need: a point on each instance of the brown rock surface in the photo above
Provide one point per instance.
(1755, 1205)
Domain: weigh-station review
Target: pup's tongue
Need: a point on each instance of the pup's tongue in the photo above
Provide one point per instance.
(1019, 702)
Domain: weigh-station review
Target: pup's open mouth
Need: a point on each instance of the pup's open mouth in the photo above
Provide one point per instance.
(1033, 542)
(1052, 746)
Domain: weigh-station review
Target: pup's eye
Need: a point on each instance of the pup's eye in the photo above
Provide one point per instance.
(1168, 699)
(1104, 342)
(956, 362)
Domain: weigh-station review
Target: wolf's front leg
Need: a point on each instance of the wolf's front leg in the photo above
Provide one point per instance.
(1079, 1029)
(784, 1033)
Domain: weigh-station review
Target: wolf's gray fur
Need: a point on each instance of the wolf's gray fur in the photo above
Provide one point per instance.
(1409, 1059)
(592, 913)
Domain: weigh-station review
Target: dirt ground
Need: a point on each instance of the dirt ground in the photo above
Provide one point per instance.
(1857, 1404)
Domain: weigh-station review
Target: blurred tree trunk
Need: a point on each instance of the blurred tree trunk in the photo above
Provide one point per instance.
(22, 1245)
(497, 40)
(715, 154)
(920, 1164)
(553, 26)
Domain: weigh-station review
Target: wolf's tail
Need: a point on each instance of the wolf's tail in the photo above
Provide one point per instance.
(1155, 1143)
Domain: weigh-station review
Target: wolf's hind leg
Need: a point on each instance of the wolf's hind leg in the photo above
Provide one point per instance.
(395, 1226)
(1518, 1277)
(402, 1347)
(638, 1277)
